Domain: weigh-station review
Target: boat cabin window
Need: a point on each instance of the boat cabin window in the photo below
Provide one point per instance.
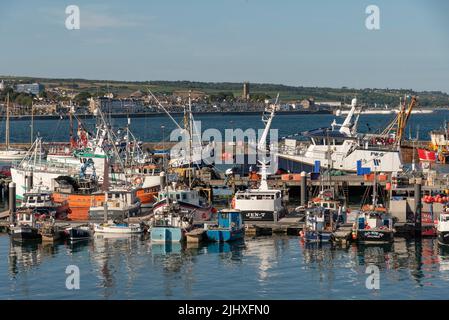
(184, 196)
(31, 200)
(178, 196)
(444, 218)
(39, 199)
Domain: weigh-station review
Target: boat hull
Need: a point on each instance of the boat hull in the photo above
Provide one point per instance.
(225, 235)
(98, 213)
(167, 234)
(315, 236)
(443, 238)
(118, 229)
(78, 204)
(74, 234)
(200, 213)
(375, 236)
(25, 234)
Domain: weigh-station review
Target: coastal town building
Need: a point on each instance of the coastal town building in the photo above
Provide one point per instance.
(33, 88)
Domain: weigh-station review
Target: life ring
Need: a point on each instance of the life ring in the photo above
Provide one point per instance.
(137, 180)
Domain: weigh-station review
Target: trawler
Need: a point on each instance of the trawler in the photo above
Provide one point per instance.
(263, 203)
(340, 147)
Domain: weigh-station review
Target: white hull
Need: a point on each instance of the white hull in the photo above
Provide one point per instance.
(388, 111)
(43, 178)
(12, 155)
(117, 229)
(389, 161)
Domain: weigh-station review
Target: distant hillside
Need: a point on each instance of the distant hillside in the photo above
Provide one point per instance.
(287, 93)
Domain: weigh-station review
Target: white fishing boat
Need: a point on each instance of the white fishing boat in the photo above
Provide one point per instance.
(118, 228)
(187, 199)
(262, 203)
(119, 202)
(340, 147)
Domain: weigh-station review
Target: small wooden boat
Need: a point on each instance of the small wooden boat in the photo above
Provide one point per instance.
(25, 228)
(230, 226)
(77, 233)
(49, 232)
(443, 229)
(196, 235)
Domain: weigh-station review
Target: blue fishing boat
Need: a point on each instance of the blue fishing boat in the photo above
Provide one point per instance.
(167, 234)
(230, 227)
(319, 225)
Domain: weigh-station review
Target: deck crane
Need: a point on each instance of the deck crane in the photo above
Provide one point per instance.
(267, 119)
(400, 122)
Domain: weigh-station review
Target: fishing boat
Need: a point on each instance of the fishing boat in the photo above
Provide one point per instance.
(319, 225)
(443, 229)
(187, 199)
(77, 233)
(261, 204)
(373, 224)
(119, 203)
(373, 227)
(341, 147)
(79, 193)
(171, 224)
(230, 227)
(112, 227)
(41, 202)
(25, 228)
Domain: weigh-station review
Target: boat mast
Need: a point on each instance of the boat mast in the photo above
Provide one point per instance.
(191, 168)
(7, 123)
(267, 119)
(32, 122)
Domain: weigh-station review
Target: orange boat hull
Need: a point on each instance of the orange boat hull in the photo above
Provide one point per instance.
(79, 204)
(147, 196)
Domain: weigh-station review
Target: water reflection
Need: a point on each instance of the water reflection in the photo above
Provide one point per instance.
(118, 264)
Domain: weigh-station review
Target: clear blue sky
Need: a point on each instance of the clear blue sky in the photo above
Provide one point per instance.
(309, 43)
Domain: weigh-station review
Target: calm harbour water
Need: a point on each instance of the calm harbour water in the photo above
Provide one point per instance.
(149, 129)
(278, 267)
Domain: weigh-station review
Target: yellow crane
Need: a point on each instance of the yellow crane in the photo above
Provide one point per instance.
(399, 123)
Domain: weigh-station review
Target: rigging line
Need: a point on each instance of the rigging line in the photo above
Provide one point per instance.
(165, 110)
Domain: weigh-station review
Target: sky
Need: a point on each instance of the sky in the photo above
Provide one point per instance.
(322, 43)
